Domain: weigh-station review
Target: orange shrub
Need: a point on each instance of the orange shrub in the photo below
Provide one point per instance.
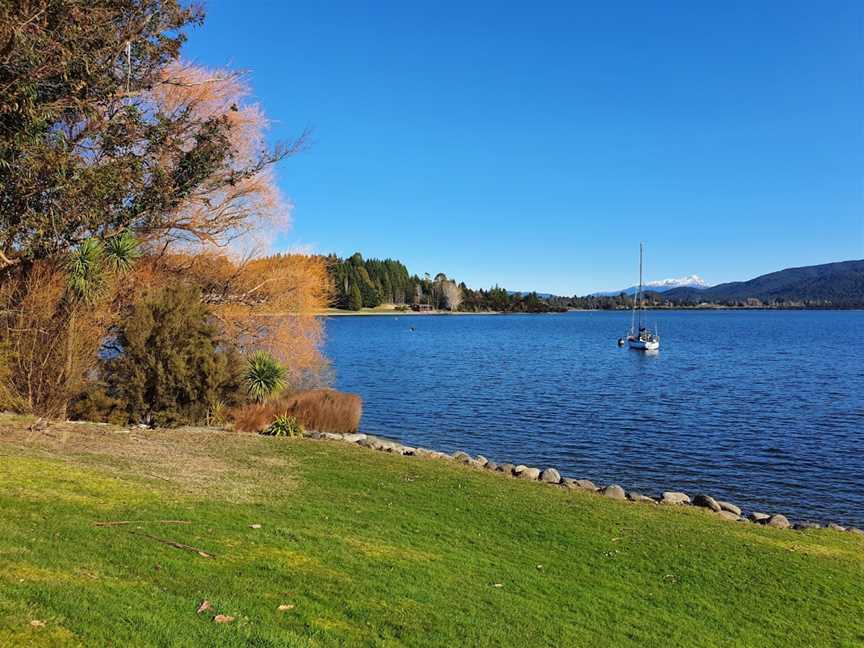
(321, 410)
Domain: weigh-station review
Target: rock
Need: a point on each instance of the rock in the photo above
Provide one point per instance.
(674, 497)
(726, 506)
(759, 518)
(491, 465)
(422, 452)
(461, 457)
(368, 442)
(729, 515)
(778, 522)
(614, 491)
(706, 501)
(475, 464)
(801, 526)
(481, 460)
(579, 484)
(550, 476)
(855, 530)
(639, 497)
(408, 451)
(356, 437)
(506, 468)
(527, 473)
(835, 526)
(223, 618)
(330, 436)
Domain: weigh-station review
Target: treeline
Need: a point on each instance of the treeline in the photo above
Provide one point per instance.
(367, 283)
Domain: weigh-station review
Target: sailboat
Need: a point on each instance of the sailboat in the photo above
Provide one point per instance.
(640, 337)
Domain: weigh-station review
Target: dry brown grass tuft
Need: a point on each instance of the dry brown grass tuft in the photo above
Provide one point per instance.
(323, 410)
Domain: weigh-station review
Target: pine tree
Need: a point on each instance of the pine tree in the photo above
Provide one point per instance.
(355, 299)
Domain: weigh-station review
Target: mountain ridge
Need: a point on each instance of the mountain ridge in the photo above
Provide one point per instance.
(839, 282)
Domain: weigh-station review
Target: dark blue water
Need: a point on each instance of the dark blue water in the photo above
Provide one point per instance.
(765, 409)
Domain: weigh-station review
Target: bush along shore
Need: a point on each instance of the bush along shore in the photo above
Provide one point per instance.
(551, 476)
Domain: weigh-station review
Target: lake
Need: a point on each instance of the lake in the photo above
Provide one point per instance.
(761, 408)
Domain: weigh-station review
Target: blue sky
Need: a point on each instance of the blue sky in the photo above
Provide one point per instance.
(534, 145)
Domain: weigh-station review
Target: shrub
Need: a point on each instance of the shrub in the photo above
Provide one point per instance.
(218, 414)
(284, 426)
(323, 410)
(265, 377)
(171, 368)
(94, 404)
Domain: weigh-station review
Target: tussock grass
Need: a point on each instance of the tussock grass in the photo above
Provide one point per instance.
(373, 549)
(322, 410)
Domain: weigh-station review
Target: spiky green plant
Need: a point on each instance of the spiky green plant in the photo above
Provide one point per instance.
(284, 426)
(218, 413)
(121, 252)
(265, 377)
(85, 270)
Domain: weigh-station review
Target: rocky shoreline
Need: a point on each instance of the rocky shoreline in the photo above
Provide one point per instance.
(551, 476)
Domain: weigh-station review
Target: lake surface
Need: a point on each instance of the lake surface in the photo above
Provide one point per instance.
(764, 409)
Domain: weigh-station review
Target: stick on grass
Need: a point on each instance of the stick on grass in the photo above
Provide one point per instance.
(176, 545)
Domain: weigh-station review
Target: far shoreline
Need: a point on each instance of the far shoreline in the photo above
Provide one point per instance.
(377, 312)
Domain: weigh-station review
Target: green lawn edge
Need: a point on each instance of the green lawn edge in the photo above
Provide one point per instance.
(373, 549)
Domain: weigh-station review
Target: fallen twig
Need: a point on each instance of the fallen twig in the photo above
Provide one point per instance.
(108, 523)
(176, 545)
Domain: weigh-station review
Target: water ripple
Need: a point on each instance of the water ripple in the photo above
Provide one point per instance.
(762, 408)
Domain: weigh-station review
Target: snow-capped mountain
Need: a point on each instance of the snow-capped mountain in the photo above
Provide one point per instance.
(661, 285)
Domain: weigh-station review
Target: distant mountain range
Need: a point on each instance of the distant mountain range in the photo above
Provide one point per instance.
(841, 284)
(660, 286)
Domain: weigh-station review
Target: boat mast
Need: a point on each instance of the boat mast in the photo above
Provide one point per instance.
(633, 310)
(641, 306)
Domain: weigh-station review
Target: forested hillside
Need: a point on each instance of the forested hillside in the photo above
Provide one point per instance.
(837, 284)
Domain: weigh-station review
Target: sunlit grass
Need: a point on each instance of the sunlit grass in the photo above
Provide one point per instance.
(369, 549)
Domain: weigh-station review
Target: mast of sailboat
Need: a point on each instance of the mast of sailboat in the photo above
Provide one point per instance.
(633, 310)
(641, 306)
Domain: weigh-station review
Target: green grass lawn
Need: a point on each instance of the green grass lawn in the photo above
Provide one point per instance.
(372, 549)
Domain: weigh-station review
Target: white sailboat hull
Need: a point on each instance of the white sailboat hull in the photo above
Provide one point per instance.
(643, 345)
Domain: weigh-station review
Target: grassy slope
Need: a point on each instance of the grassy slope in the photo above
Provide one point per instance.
(375, 549)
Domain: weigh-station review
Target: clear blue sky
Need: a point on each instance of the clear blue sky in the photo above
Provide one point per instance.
(534, 144)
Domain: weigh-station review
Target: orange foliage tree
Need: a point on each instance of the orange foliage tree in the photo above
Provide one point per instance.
(259, 303)
(268, 303)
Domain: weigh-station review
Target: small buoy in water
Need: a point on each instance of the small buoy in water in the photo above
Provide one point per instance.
(412, 328)
(620, 341)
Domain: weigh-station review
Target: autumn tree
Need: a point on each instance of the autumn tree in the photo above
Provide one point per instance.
(106, 133)
(103, 130)
(452, 294)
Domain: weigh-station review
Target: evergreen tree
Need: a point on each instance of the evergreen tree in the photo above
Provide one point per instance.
(355, 301)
